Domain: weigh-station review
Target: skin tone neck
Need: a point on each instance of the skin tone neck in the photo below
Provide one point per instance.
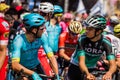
(35, 33)
(53, 22)
(30, 36)
(96, 38)
(91, 32)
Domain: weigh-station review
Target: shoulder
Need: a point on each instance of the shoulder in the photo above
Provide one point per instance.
(44, 36)
(106, 41)
(18, 38)
(4, 24)
(63, 35)
(62, 23)
(47, 24)
(111, 37)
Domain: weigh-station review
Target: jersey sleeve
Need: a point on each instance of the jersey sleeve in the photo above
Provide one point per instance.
(108, 49)
(115, 44)
(118, 48)
(62, 39)
(4, 32)
(17, 45)
(45, 44)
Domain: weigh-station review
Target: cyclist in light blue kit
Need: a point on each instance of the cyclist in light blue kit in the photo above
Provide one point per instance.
(25, 48)
(54, 29)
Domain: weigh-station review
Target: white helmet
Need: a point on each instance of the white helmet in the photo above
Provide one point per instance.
(46, 7)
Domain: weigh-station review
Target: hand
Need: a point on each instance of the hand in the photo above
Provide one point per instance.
(107, 76)
(90, 77)
(35, 76)
(57, 77)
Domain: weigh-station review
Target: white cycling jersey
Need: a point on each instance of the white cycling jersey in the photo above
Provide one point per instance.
(116, 44)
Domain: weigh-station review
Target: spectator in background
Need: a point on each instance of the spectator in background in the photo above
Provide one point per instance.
(67, 18)
(58, 12)
(46, 9)
(14, 13)
(117, 31)
(113, 21)
(3, 8)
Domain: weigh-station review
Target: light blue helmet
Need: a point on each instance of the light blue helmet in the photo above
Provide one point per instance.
(33, 20)
(58, 9)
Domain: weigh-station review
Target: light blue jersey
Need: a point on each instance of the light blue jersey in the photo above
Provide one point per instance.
(27, 52)
(53, 35)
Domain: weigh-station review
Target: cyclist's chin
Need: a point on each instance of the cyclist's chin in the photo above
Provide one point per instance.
(39, 36)
(89, 36)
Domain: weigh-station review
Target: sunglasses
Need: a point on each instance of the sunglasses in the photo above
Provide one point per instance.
(58, 15)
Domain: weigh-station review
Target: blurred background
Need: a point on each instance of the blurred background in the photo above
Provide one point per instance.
(104, 7)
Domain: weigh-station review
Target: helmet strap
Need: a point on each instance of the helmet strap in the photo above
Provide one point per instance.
(35, 34)
(96, 30)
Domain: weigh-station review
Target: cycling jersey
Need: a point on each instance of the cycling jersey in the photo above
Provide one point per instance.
(67, 43)
(116, 44)
(4, 32)
(64, 26)
(109, 29)
(92, 51)
(27, 52)
(53, 35)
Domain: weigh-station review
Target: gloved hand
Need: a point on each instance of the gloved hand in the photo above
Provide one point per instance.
(35, 76)
(57, 77)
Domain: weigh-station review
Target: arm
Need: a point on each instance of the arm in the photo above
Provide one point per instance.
(62, 40)
(16, 56)
(63, 55)
(118, 62)
(17, 67)
(112, 67)
(84, 68)
(53, 63)
(3, 49)
(110, 72)
(82, 65)
(49, 53)
(16, 53)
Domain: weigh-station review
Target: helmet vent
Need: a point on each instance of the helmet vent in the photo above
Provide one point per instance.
(37, 22)
(25, 20)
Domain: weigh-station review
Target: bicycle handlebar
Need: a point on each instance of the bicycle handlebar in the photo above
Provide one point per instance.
(98, 73)
(46, 76)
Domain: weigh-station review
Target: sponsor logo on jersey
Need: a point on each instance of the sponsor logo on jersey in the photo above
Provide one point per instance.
(93, 50)
(6, 34)
(6, 25)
